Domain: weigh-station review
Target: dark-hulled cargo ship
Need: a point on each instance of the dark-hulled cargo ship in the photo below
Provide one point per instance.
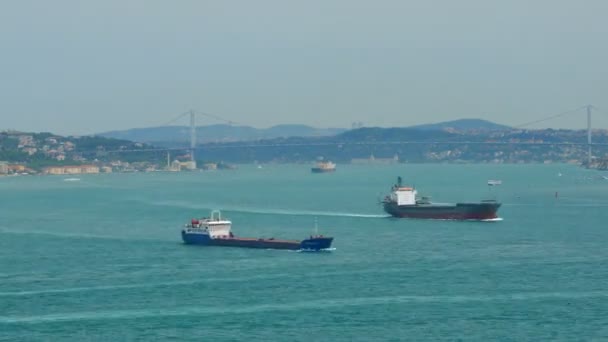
(215, 231)
(404, 202)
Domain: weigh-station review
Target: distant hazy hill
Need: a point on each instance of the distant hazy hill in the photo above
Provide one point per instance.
(229, 133)
(463, 125)
(219, 133)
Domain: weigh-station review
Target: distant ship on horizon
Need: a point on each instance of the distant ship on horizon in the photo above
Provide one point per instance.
(323, 167)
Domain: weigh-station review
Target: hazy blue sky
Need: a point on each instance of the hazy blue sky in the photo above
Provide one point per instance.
(78, 67)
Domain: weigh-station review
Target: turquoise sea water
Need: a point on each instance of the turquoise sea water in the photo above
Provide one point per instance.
(101, 259)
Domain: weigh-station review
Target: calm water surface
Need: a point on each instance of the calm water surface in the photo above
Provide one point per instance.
(101, 259)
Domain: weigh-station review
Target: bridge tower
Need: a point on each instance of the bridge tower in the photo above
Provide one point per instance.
(192, 165)
(192, 138)
(589, 135)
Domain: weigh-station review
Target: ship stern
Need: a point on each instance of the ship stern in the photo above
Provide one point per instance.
(316, 243)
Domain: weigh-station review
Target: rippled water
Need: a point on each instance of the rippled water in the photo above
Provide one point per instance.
(101, 258)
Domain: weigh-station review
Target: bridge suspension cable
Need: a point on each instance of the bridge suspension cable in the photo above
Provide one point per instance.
(176, 118)
(200, 113)
(550, 117)
(600, 110)
(217, 117)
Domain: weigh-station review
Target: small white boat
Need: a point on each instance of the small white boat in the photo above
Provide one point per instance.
(71, 179)
(493, 182)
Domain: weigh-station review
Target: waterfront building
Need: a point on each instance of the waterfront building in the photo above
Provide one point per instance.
(3, 168)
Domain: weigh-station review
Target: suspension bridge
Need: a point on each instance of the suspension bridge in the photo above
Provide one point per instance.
(192, 114)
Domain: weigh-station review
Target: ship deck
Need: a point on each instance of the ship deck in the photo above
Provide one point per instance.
(246, 239)
(256, 243)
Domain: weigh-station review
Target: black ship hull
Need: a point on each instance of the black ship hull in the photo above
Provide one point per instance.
(486, 210)
(321, 170)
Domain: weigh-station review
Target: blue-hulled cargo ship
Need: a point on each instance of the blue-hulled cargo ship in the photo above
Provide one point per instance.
(215, 231)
